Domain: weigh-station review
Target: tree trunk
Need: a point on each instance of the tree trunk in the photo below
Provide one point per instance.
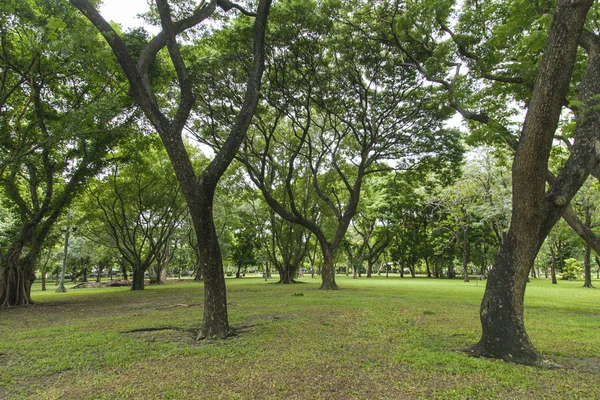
(503, 329)
(239, 268)
(465, 260)
(587, 265)
(553, 265)
(286, 274)
(137, 274)
(215, 324)
(327, 271)
(198, 277)
(15, 282)
(587, 268)
(369, 268)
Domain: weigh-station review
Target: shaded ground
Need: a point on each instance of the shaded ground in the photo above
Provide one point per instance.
(374, 339)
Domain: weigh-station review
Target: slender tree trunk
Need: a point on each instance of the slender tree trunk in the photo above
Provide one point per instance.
(215, 324)
(43, 272)
(465, 260)
(587, 265)
(553, 265)
(587, 268)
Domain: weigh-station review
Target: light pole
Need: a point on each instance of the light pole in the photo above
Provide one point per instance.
(61, 286)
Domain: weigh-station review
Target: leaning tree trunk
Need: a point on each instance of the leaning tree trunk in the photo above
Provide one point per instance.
(535, 211)
(501, 313)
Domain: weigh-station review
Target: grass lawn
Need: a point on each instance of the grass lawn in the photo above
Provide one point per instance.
(374, 339)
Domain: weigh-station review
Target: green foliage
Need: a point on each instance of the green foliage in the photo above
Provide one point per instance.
(571, 269)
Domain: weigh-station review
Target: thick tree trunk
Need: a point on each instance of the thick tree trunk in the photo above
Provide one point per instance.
(137, 274)
(503, 330)
(535, 211)
(328, 272)
(16, 279)
(286, 274)
(369, 268)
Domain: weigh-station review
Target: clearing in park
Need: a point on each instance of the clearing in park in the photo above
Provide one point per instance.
(375, 339)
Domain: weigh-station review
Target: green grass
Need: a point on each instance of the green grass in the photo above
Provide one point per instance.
(376, 338)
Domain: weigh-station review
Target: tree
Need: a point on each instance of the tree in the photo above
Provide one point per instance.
(140, 207)
(536, 210)
(53, 104)
(198, 189)
(507, 64)
(336, 108)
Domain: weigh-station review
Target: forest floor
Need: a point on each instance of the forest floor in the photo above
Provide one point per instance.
(373, 339)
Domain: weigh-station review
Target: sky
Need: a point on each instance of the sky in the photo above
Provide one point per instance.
(123, 11)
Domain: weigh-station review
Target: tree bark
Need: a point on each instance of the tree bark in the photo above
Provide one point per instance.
(286, 274)
(465, 260)
(535, 211)
(587, 265)
(328, 271)
(553, 265)
(137, 274)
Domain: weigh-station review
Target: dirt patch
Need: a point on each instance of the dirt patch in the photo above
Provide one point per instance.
(94, 285)
(584, 364)
(253, 319)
